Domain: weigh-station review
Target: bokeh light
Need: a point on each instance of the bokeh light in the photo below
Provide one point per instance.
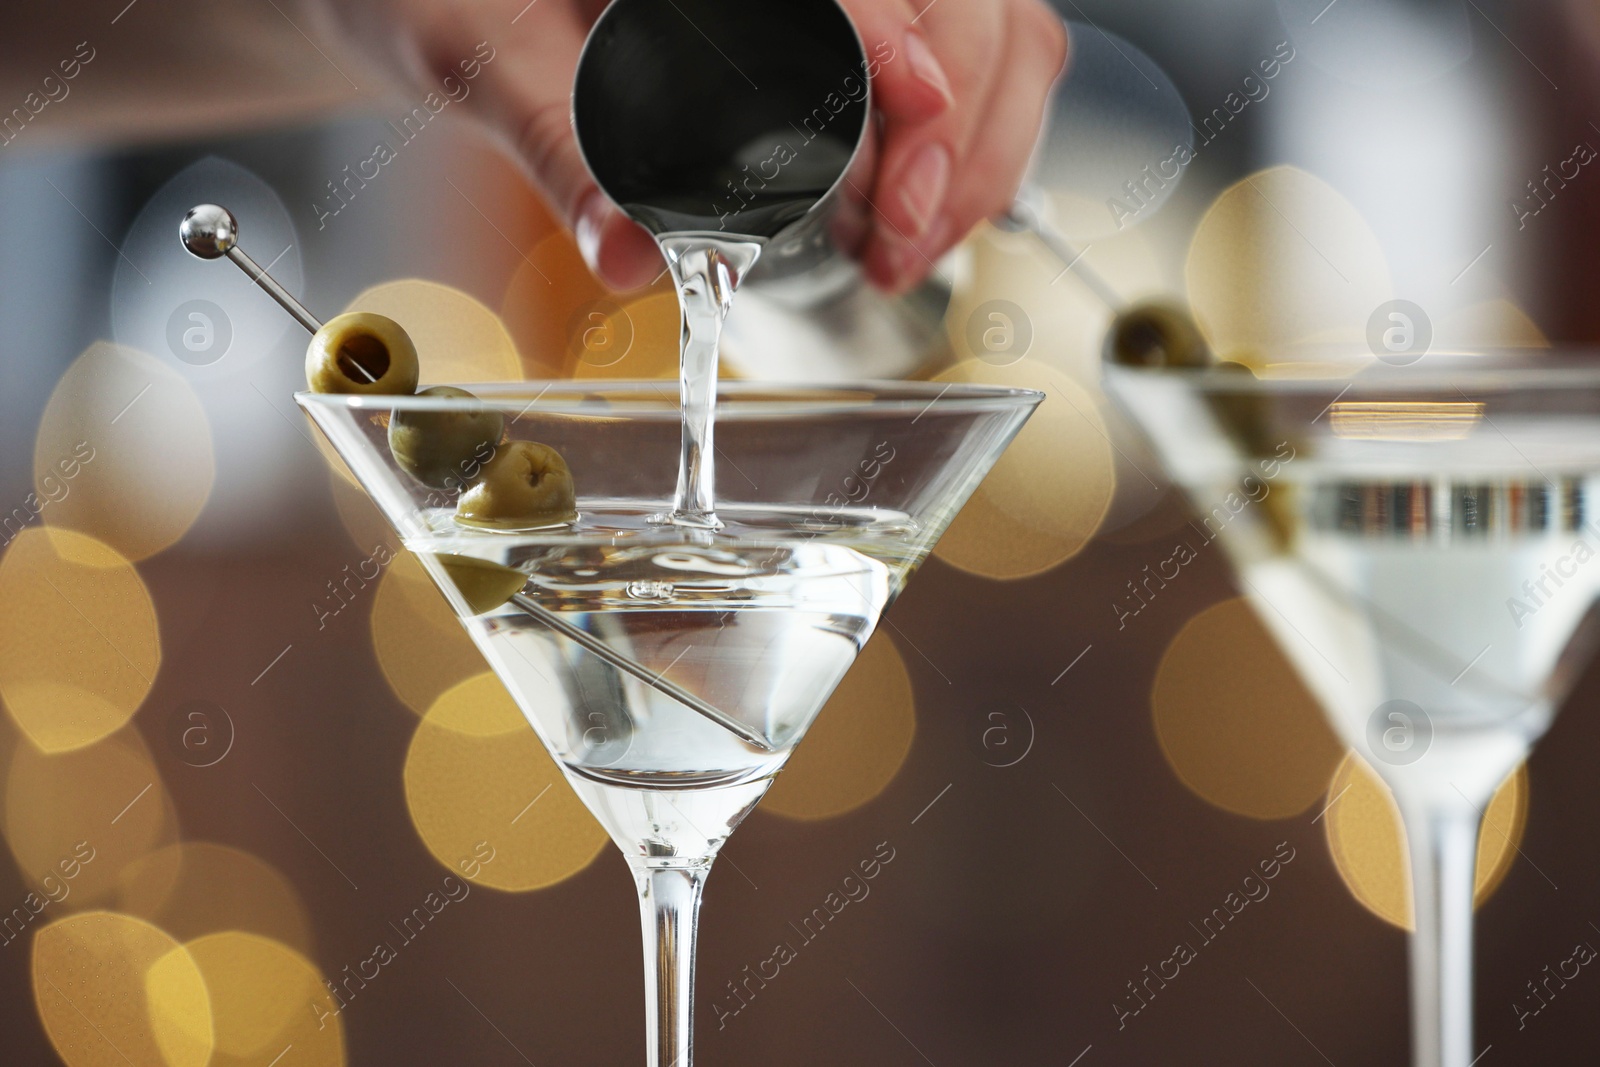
(1367, 839)
(552, 300)
(123, 452)
(207, 321)
(1063, 320)
(458, 339)
(638, 340)
(115, 990)
(476, 773)
(89, 812)
(1380, 45)
(79, 641)
(1282, 259)
(1120, 137)
(1049, 492)
(422, 648)
(267, 999)
(196, 888)
(857, 745)
(1489, 324)
(1234, 720)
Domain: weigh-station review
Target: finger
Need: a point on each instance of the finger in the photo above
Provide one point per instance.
(997, 160)
(995, 134)
(618, 250)
(919, 159)
(908, 81)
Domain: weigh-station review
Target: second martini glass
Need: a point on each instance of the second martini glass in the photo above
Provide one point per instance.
(1417, 539)
(671, 670)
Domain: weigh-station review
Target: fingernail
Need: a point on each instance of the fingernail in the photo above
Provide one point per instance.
(923, 186)
(927, 67)
(591, 226)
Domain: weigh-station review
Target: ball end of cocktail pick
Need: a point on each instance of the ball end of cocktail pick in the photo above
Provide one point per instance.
(209, 231)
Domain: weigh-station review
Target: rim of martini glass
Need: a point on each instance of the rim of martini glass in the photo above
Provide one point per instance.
(738, 401)
(1476, 372)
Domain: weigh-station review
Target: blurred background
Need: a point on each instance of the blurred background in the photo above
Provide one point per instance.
(231, 729)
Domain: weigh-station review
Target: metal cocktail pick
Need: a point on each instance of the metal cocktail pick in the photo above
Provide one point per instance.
(211, 232)
(1151, 333)
(1026, 217)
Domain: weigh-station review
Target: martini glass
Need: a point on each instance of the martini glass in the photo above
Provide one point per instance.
(1418, 541)
(671, 670)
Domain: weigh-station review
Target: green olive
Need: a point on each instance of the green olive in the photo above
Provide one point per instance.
(1156, 335)
(525, 486)
(362, 353)
(445, 449)
(483, 585)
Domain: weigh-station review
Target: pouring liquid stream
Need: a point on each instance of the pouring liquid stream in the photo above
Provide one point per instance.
(707, 269)
(712, 223)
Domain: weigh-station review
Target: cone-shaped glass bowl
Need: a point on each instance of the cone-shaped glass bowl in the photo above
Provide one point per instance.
(671, 670)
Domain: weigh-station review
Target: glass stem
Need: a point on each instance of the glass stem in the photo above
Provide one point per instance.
(669, 907)
(1444, 859)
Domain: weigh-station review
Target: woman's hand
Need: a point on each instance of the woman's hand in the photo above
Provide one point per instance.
(963, 105)
(961, 99)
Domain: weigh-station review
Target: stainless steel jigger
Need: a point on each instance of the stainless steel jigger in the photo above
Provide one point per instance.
(656, 111)
(211, 232)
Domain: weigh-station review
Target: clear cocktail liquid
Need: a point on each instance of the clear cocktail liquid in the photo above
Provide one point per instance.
(760, 620)
(1444, 582)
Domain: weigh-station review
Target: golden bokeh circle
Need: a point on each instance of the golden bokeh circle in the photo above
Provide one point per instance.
(79, 642)
(265, 999)
(1067, 320)
(1367, 839)
(541, 298)
(1048, 493)
(123, 451)
(195, 888)
(1234, 720)
(422, 648)
(113, 990)
(654, 323)
(547, 305)
(475, 773)
(89, 812)
(857, 745)
(1282, 258)
(458, 339)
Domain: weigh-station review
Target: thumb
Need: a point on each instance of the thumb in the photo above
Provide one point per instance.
(619, 251)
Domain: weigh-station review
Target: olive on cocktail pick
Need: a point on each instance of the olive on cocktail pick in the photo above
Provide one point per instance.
(355, 353)
(1156, 334)
(525, 486)
(445, 449)
(1151, 334)
(362, 353)
(483, 585)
